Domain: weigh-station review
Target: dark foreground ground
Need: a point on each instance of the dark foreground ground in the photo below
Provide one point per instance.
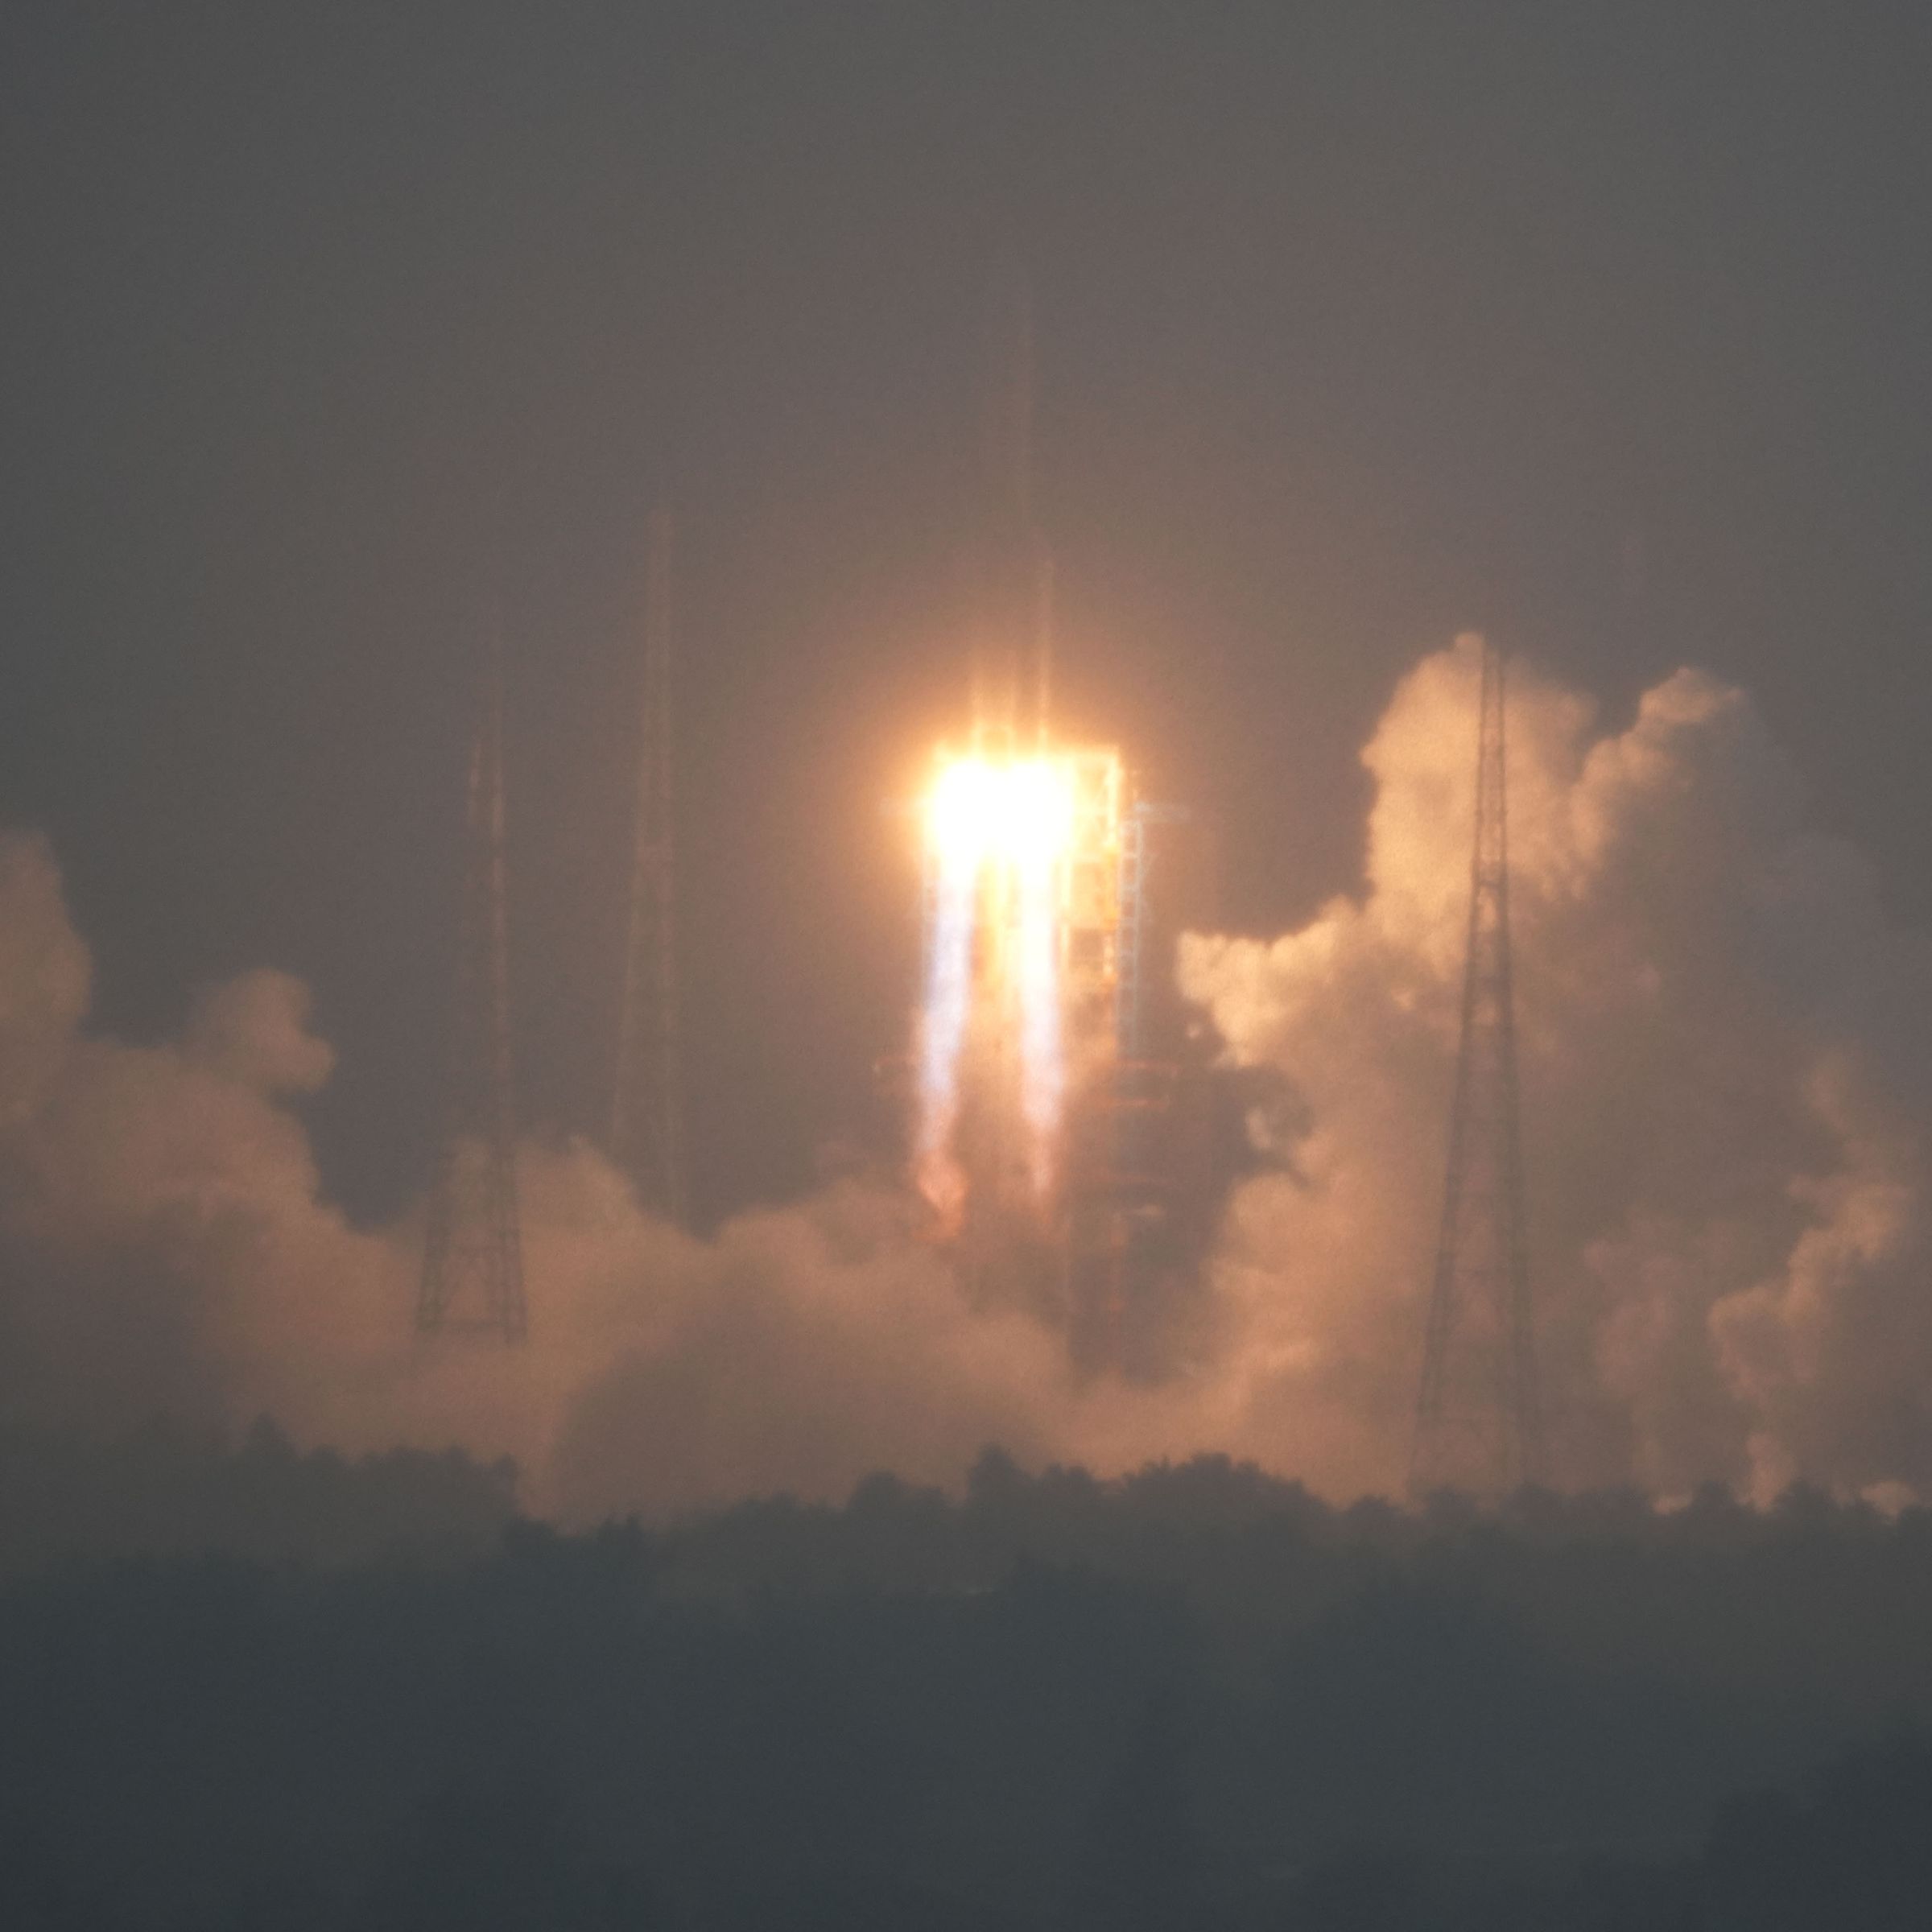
(249, 1689)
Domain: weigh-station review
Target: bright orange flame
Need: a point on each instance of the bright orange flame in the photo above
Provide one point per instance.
(1020, 813)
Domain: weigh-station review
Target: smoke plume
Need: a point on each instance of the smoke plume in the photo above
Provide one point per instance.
(1726, 1090)
(1725, 1098)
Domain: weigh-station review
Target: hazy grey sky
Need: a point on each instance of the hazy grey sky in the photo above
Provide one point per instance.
(1358, 325)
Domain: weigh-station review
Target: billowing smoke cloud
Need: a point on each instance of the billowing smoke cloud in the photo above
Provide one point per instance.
(166, 1249)
(1727, 1086)
(1725, 1091)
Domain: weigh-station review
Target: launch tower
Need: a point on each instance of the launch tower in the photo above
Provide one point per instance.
(1478, 1424)
(473, 1256)
(1037, 1141)
(647, 1112)
(1039, 1116)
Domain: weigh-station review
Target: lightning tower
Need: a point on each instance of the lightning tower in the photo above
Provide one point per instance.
(1017, 588)
(473, 1256)
(1478, 1425)
(647, 1116)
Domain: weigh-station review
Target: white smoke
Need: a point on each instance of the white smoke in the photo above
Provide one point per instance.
(1725, 1091)
(1727, 1088)
(167, 1248)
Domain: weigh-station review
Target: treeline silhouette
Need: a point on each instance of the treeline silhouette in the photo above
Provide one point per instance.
(308, 1693)
(165, 1490)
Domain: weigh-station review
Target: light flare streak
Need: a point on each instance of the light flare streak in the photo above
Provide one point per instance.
(1042, 1073)
(943, 1035)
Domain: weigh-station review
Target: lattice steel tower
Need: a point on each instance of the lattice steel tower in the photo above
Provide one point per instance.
(646, 1109)
(473, 1256)
(1478, 1425)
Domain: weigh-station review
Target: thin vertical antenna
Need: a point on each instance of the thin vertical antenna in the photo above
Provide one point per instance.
(1042, 637)
(1010, 458)
(473, 1254)
(1009, 398)
(1479, 1421)
(976, 695)
(646, 1111)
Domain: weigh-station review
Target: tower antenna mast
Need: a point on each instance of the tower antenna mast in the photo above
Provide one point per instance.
(473, 1255)
(646, 1111)
(1478, 1424)
(1025, 564)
